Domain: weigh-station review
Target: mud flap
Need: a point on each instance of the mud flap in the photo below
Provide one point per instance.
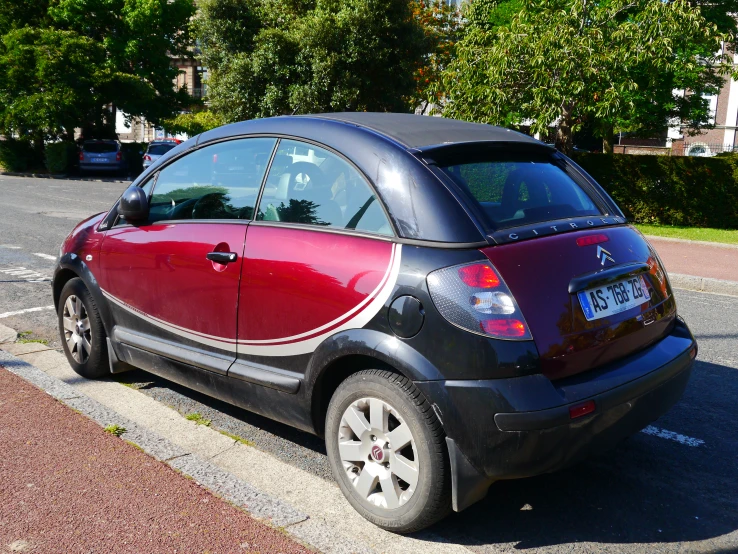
(116, 366)
(467, 484)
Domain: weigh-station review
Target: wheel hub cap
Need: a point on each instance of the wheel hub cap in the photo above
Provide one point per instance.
(378, 453)
(77, 332)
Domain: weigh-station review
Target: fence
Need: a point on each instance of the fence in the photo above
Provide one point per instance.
(678, 148)
(200, 92)
(700, 149)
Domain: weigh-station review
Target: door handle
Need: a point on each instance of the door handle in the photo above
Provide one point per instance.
(222, 257)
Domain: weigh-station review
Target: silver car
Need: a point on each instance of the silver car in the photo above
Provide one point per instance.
(156, 150)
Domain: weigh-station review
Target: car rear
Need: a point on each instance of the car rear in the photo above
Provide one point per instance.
(101, 155)
(155, 151)
(567, 275)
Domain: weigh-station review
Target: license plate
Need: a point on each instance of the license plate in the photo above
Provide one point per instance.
(99, 160)
(611, 299)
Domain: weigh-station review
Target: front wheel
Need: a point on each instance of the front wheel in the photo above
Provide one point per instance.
(387, 451)
(82, 332)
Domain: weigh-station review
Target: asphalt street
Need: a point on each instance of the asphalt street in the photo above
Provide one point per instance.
(671, 489)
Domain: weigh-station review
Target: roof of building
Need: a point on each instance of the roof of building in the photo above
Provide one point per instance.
(416, 131)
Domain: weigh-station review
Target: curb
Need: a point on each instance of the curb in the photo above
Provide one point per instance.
(274, 510)
(694, 242)
(703, 284)
(7, 334)
(63, 177)
(35, 175)
(222, 483)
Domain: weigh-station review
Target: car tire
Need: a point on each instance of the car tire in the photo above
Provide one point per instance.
(370, 470)
(82, 333)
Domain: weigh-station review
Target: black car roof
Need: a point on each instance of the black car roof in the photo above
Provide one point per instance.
(418, 131)
(387, 148)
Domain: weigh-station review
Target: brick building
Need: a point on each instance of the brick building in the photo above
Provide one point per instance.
(724, 117)
(138, 129)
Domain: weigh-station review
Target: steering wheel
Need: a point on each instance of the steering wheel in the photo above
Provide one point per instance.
(209, 206)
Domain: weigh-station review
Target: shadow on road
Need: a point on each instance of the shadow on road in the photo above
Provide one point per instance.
(648, 490)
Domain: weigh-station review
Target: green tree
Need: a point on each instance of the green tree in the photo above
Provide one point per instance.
(63, 63)
(491, 14)
(441, 24)
(615, 63)
(273, 57)
(193, 123)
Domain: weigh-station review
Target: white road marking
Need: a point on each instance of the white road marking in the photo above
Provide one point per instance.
(45, 256)
(11, 246)
(28, 310)
(26, 274)
(671, 435)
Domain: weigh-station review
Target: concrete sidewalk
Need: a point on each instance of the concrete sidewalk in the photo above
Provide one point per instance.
(302, 505)
(68, 486)
(697, 265)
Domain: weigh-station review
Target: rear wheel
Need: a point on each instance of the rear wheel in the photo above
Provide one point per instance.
(82, 332)
(387, 451)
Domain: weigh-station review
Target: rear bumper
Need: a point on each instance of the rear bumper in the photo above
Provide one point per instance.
(103, 167)
(510, 428)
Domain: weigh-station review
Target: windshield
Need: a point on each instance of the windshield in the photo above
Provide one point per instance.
(519, 190)
(100, 147)
(159, 149)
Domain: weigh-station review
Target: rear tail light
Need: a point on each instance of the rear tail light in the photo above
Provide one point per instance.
(588, 240)
(147, 158)
(119, 156)
(479, 276)
(81, 156)
(474, 297)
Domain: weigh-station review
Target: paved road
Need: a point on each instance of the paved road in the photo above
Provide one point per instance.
(674, 490)
(35, 216)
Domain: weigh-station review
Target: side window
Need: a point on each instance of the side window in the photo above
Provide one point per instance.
(215, 182)
(310, 185)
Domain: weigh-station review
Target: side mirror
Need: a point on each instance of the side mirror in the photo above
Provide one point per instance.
(134, 205)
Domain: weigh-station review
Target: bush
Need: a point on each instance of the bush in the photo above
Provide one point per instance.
(679, 190)
(19, 155)
(59, 157)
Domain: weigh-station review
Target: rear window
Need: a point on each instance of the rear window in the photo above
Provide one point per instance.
(519, 190)
(100, 147)
(159, 149)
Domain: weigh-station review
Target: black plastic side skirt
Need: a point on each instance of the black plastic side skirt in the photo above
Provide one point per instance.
(468, 486)
(290, 409)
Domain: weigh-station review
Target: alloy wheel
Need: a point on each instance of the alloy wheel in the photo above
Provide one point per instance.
(77, 330)
(378, 453)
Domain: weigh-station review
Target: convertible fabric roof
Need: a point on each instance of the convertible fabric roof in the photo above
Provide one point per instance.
(416, 131)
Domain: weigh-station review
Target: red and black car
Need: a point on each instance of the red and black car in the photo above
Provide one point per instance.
(448, 303)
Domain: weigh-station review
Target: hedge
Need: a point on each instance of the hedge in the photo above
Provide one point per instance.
(678, 190)
(60, 156)
(19, 155)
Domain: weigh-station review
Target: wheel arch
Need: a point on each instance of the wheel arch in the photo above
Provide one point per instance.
(355, 350)
(72, 266)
